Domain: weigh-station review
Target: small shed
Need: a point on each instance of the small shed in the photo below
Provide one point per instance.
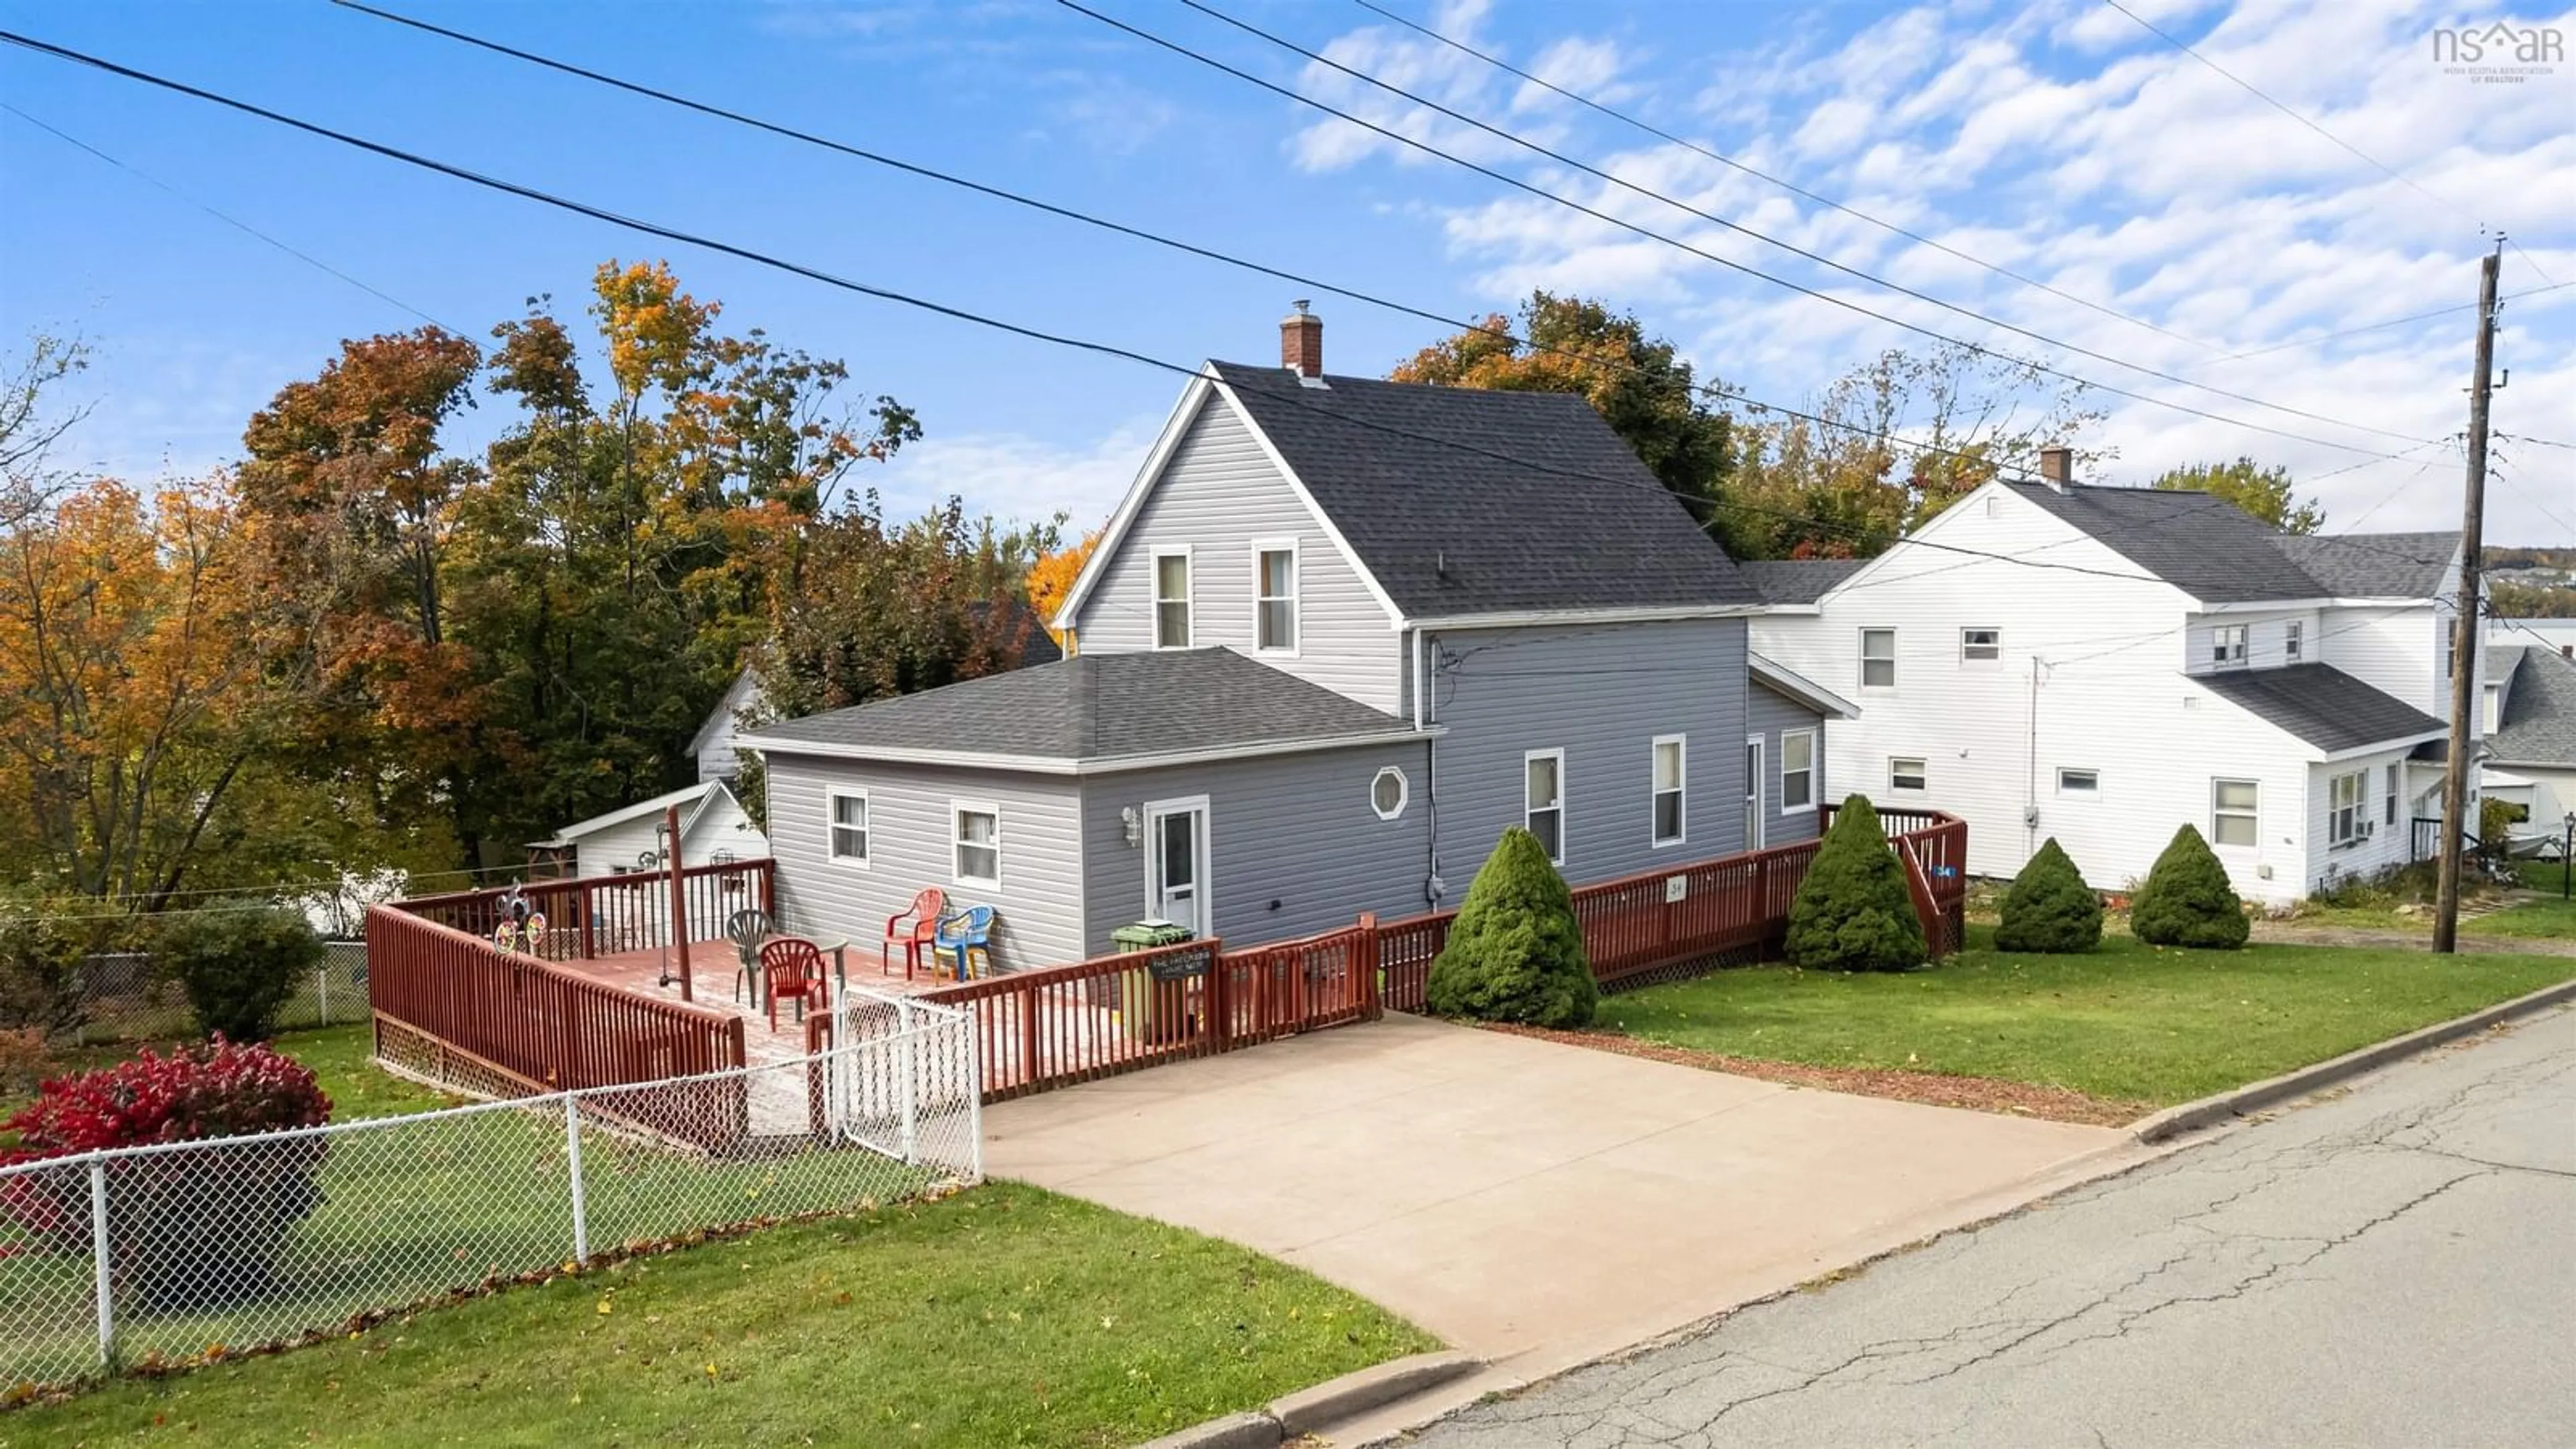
(713, 828)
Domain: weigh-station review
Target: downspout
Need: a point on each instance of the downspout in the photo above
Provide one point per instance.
(1423, 718)
(2030, 769)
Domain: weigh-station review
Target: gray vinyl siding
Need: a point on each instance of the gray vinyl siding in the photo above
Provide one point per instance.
(1602, 694)
(1294, 830)
(1218, 494)
(1038, 910)
(1771, 715)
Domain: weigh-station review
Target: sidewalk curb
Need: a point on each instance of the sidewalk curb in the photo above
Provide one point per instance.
(2236, 1102)
(1311, 1409)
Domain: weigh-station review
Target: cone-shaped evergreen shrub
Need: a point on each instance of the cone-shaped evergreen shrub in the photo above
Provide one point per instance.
(2187, 900)
(1515, 953)
(2049, 907)
(1853, 912)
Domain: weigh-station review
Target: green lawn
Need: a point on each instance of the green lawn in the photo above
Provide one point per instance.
(1001, 1316)
(2129, 1022)
(2551, 919)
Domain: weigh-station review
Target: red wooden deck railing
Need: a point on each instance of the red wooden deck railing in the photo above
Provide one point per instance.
(608, 914)
(549, 1028)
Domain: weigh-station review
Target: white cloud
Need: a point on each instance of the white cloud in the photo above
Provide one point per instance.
(1012, 476)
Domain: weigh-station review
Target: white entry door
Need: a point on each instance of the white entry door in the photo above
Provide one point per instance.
(1176, 862)
(1753, 792)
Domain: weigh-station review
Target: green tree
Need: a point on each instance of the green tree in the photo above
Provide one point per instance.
(1515, 952)
(1640, 385)
(2262, 492)
(2514, 599)
(2050, 908)
(1853, 911)
(2188, 900)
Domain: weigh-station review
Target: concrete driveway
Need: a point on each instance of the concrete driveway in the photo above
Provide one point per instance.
(1522, 1199)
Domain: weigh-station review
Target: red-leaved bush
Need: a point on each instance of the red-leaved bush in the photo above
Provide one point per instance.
(188, 1230)
(215, 1089)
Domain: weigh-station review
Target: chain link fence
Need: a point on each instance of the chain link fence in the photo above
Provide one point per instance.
(169, 1254)
(119, 997)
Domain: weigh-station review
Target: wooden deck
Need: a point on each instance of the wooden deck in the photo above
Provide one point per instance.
(717, 985)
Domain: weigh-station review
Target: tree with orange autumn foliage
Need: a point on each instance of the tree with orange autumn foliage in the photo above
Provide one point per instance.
(1051, 577)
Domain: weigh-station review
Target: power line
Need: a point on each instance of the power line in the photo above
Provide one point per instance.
(1650, 234)
(1786, 185)
(225, 217)
(760, 258)
(2259, 94)
(2371, 326)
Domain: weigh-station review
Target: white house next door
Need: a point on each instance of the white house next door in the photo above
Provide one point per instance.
(1176, 862)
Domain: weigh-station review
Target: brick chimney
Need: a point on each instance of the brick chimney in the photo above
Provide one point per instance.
(1301, 342)
(2057, 467)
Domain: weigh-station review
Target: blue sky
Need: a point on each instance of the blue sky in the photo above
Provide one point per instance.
(2061, 140)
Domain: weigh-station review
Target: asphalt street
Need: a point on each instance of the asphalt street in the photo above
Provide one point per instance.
(2395, 1265)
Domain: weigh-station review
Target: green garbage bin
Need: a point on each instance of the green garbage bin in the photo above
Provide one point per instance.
(1136, 988)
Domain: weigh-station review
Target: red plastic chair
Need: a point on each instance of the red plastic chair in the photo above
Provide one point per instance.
(793, 967)
(915, 930)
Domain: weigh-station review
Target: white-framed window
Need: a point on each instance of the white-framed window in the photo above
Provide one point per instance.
(2083, 783)
(2392, 793)
(2232, 811)
(1274, 602)
(2227, 646)
(976, 829)
(1905, 774)
(849, 826)
(1543, 799)
(1878, 659)
(1797, 771)
(1171, 598)
(1981, 646)
(2345, 812)
(1388, 792)
(2294, 641)
(1671, 789)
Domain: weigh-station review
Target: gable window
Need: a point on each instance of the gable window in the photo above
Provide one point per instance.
(1543, 799)
(2227, 645)
(1669, 751)
(1904, 774)
(1387, 793)
(1274, 619)
(2087, 783)
(2344, 815)
(2294, 640)
(1797, 770)
(1878, 659)
(1172, 598)
(1981, 646)
(2231, 812)
(978, 835)
(849, 828)
(2392, 794)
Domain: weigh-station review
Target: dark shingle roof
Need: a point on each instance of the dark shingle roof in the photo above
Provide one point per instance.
(1797, 580)
(1467, 501)
(2321, 705)
(1096, 707)
(2538, 723)
(2220, 554)
(2375, 565)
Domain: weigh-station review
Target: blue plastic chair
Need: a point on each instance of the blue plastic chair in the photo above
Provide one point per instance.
(968, 930)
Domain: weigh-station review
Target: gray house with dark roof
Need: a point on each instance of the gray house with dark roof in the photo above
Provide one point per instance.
(2531, 732)
(1338, 636)
(2105, 665)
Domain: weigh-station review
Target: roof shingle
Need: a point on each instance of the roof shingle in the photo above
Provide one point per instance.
(1469, 501)
(1095, 707)
(2537, 725)
(2218, 553)
(2321, 704)
(1797, 580)
(2375, 565)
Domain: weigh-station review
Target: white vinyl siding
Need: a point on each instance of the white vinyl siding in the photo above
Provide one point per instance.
(1878, 659)
(1906, 773)
(849, 827)
(1172, 605)
(1671, 816)
(1543, 799)
(977, 835)
(1274, 605)
(1797, 771)
(2235, 812)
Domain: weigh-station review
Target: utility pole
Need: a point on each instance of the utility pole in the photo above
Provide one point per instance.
(2465, 630)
